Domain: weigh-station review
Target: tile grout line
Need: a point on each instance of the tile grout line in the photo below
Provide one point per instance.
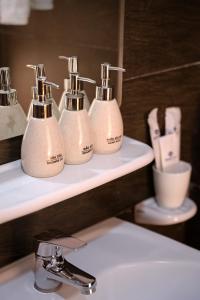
(172, 69)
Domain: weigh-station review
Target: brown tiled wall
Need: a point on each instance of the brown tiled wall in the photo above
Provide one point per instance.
(161, 55)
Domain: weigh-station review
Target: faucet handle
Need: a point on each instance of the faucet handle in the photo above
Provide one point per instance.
(56, 243)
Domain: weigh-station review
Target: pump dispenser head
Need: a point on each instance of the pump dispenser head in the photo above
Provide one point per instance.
(104, 92)
(39, 71)
(72, 63)
(8, 96)
(74, 97)
(42, 107)
(72, 68)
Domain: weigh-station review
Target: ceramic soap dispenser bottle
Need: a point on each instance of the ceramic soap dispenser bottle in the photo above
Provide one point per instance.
(12, 117)
(105, 115)
(72, 68)
(42, 152)
(75, 124)
(40, 72)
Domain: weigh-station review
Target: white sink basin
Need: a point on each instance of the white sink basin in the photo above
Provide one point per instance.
(128, 261)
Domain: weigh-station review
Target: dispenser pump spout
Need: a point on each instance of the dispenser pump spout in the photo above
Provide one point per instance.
(105, 73)
(39, 71)
(41, 87)
(75, 81)
(72, 63)
(104, 92)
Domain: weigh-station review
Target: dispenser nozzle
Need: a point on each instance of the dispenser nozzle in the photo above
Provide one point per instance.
(52, 84)
(85, 79)
(105, 72)
(72, 63)
(75, 80)
(104, 92)
(41, 83)
(117, 69)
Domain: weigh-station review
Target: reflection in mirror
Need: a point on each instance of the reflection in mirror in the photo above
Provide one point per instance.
(38, 32)
(12, 116)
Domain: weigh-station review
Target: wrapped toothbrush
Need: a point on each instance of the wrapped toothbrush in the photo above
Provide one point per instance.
(155, 135)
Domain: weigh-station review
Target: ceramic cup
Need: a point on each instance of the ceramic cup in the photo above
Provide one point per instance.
(171, 186)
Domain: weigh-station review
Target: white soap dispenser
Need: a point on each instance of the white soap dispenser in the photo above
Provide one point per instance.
(72, 68)
(105, 115)
(75, 124)
(40, 72)
(12, 117)
(42, 152)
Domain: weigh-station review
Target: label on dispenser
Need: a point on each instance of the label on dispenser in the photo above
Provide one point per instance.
(87, 149)
(55, 158)
(114, 140)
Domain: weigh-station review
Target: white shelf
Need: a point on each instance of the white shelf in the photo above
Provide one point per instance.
(21, 194)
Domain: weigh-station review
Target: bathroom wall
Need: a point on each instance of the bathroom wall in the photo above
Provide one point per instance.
(81, 28)
(161, 45)
(162, 58)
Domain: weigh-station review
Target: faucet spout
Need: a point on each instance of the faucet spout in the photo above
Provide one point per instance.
(68, 273)
(52, 270)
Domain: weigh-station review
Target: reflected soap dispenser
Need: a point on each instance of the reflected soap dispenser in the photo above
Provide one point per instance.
(42, 152)
(12, 117)
(40, 72)
(75, 124)
(105, 115)
(72, 68)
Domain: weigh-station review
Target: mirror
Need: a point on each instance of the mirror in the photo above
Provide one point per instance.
(87, 29)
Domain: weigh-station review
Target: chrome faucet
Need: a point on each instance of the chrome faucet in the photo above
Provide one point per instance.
(52, 269)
